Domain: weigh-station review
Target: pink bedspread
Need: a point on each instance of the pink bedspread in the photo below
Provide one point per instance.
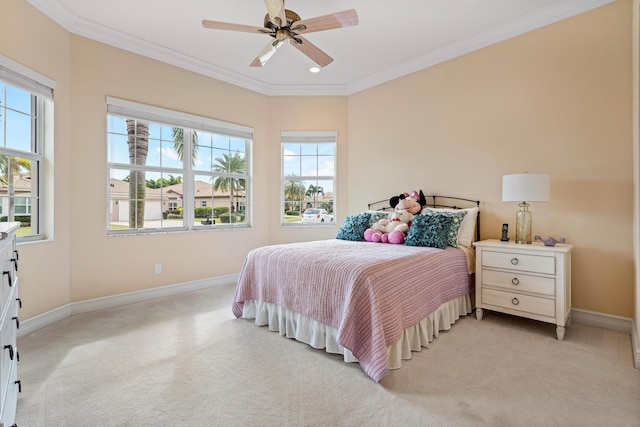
(370, 292)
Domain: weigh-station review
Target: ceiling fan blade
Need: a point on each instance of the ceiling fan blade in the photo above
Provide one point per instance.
(216, 25)
(347, 18)
(267, 53)
(275, 9)
(311, 50)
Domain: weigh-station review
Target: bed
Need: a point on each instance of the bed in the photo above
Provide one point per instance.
(373, 303)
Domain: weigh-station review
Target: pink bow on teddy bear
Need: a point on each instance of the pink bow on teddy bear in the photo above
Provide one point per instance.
(394, 229)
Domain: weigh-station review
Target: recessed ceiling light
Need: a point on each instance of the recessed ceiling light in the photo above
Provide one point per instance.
(314, 69)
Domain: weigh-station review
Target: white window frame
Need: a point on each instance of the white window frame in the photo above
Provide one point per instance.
(308, 137)
(189, 122)
(41, 89)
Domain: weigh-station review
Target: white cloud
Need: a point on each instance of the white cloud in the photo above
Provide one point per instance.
(170, 153)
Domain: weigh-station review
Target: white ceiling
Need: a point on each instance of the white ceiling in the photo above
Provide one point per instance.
(393, 38)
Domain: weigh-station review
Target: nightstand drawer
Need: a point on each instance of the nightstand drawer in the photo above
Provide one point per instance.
(513, 301)
(519, 281)
(521, 262)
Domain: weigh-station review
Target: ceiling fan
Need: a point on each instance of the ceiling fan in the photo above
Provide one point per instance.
(285, 25)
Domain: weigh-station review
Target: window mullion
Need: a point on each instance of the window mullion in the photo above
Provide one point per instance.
(188, 182)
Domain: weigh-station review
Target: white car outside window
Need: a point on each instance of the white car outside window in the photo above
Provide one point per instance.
(316, 216)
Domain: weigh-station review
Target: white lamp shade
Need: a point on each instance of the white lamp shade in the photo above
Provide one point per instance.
(526, 187)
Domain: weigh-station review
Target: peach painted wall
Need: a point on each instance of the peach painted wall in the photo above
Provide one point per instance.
(105, 265)
(34, 41)
(100, 71)
(556, 100)
(328, 113)
(635, 11)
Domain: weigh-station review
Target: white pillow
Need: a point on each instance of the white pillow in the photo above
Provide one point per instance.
(467, 232)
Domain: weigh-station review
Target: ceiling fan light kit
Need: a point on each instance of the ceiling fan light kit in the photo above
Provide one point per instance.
(285, 25)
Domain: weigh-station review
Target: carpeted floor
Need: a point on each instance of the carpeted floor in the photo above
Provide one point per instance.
(186, 361)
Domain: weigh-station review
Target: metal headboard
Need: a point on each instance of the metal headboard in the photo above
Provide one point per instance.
(437, 202)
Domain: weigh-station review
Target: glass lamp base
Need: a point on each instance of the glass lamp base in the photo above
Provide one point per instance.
(523, 224)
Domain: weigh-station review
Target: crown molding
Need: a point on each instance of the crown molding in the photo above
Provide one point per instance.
(82, 27)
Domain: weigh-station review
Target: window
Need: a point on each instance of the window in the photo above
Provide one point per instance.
(308, 178)
(171, 171)
(23, 206)
(26, 120)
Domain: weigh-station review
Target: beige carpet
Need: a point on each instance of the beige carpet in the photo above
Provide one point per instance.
(186, 361)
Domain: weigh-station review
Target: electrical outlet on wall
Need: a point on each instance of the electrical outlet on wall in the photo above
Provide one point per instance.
(158, 268)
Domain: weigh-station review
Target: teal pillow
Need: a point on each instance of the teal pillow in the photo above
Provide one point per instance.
(452, 235)
(354, 226)
(429, 230)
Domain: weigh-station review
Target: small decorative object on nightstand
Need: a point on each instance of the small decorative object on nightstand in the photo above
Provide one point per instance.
(550, 241)
(532, 281)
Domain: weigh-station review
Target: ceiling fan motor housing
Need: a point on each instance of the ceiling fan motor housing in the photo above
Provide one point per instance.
(291, 18)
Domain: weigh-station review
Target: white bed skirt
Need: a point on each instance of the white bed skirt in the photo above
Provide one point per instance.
(302, 328)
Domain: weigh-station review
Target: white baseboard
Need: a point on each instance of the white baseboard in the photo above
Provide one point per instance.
(635, 345)
(45, 319)
(34, 323)
(609, 321)
(602, 320)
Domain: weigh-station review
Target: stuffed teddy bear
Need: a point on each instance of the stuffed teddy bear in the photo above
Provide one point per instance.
(399, 220)
(391, 230)
(394, 229)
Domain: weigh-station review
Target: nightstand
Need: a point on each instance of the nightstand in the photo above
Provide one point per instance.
(528, 280)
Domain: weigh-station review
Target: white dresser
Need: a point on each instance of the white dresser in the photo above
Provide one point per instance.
(9, 323)
(528, 280)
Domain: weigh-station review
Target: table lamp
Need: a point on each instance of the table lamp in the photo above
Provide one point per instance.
(524, 188)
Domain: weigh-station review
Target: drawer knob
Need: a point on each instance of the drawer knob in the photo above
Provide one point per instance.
(515, 281)
(515, 301)
(8, 274)
(514, 261)
(10, 348)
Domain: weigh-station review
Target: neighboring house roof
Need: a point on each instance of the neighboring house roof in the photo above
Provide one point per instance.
(21, 183)
(118, 186)
(202, 190)
(326, 197)
(121, 188)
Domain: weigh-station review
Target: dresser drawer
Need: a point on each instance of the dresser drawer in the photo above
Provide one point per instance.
(8, 335)
(8, 351)
(6, 269)
(10, 399)
(519, 281)
(521, 262)
(514, 301)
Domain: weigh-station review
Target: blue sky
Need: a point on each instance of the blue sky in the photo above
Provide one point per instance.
(310, 160)
(162, 151)
(15, 117)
